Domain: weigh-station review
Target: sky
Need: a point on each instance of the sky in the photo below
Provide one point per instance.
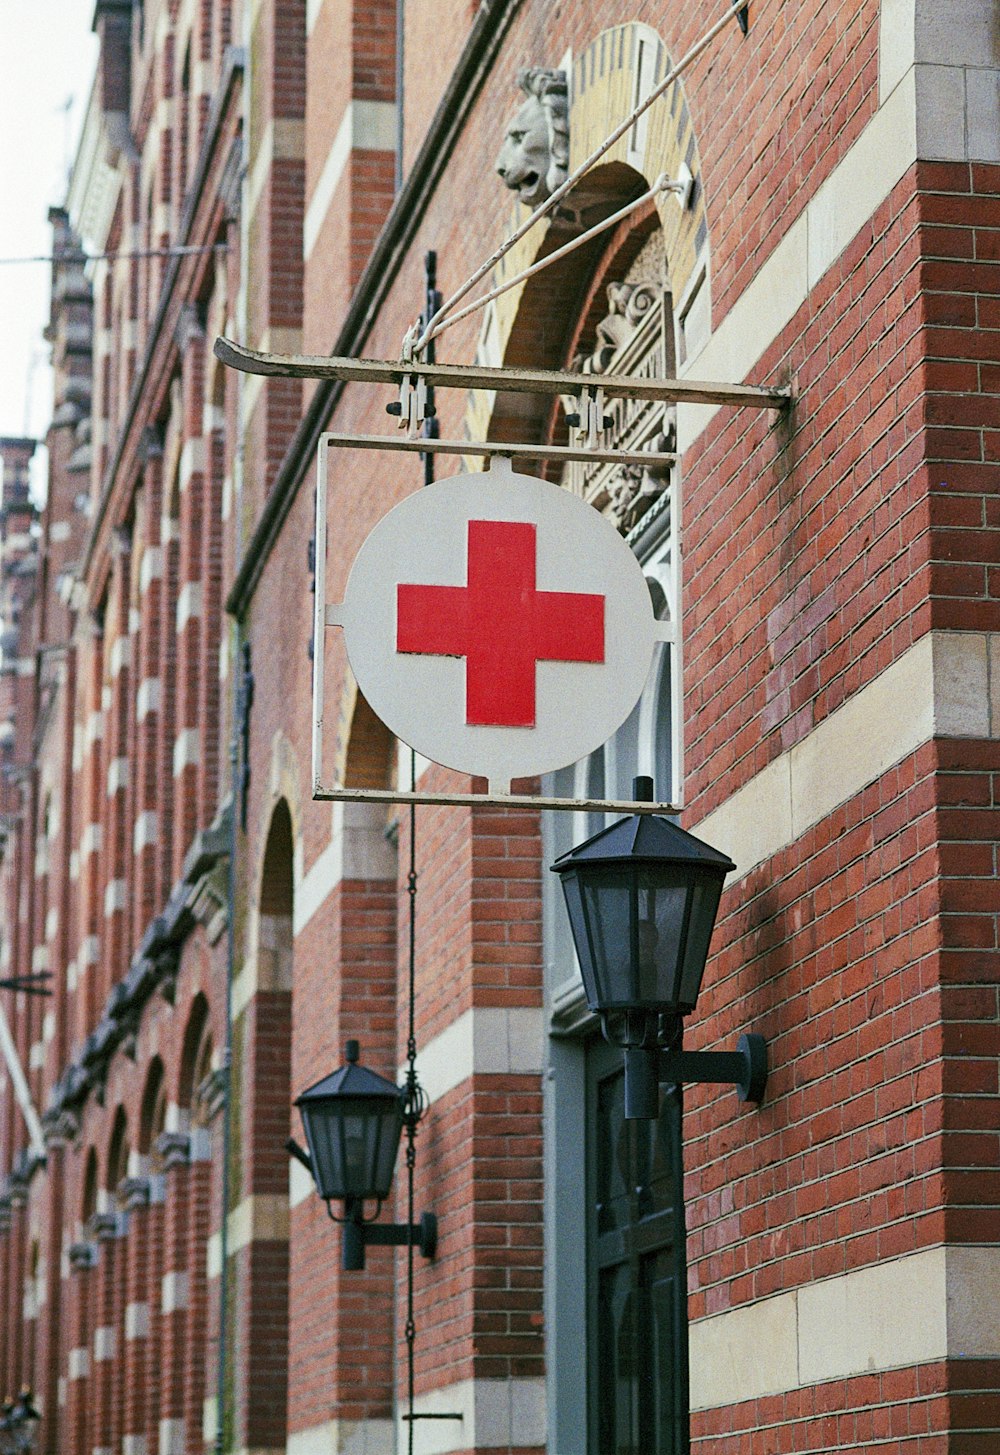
(47, 58)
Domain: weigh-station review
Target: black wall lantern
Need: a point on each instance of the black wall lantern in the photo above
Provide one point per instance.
(642, 897)
(353, 1120)
(18, 1424)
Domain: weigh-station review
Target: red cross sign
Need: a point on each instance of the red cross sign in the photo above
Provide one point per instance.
(498, 625)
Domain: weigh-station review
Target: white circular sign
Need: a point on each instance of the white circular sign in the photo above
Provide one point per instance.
(498, 625)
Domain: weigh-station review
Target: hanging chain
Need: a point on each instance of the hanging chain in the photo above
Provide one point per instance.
(416, 1100)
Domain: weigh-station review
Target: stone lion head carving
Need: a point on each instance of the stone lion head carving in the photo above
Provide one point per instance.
(534, 158)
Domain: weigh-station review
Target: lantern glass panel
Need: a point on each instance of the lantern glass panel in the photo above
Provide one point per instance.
(578, 929)
(705, 895)
(608, 915)
(353, 1143)
(642, 933)
(384, 1157)
(662, 911)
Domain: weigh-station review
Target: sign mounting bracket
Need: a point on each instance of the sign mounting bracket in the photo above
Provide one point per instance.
(516, 381)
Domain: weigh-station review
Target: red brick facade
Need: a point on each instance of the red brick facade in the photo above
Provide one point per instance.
(276, 172)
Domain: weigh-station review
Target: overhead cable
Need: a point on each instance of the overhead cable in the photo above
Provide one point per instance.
(180, 251)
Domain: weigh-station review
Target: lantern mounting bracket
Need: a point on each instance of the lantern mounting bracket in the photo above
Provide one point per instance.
(359, 1235)
(746, 1067)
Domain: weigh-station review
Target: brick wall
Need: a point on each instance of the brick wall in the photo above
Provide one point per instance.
(820, 550)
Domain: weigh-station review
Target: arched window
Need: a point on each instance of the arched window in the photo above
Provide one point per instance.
(118, 1151)
(153, 1113)
(197, 1044)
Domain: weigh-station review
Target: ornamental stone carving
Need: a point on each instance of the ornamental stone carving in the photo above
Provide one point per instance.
(106, 1225)
(17, 1192)
(132, 1193)
(211, 1094)
(173, 1149)
(628, 306)
(82, 1256)
(634, 336)
(60, 1126)
(534, 158)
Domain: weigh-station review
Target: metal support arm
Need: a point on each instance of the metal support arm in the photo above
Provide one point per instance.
(358, 1236)
(746, 1067)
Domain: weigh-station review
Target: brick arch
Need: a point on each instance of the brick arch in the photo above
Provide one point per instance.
(369, 749)
(277, 875)
(533, 324)
(609, 76)
(284, 784)
(270, 921)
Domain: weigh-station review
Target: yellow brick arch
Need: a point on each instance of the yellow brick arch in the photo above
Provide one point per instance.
(616, 71)
(609, 77)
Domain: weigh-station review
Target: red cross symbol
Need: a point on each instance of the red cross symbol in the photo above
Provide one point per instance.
(500, 624)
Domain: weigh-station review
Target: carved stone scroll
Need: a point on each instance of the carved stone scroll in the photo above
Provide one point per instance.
(634, 336)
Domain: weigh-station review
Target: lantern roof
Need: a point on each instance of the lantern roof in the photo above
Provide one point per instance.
(644, 838)
(351, 1079)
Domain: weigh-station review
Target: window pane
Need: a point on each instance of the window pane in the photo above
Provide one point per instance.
(623, 752)
(658, 1305)
(613, 1173)
(663, 746)
(596, 786)
(618, 1387)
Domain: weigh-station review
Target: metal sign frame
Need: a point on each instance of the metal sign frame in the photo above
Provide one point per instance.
(326, 614)
(490, 449)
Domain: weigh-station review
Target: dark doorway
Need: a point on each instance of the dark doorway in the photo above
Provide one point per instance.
(637, 1284)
